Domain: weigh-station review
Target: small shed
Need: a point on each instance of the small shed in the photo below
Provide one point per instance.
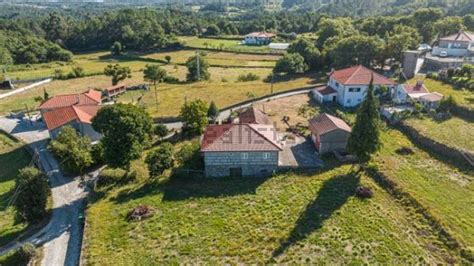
(329, 133)
(324, 94)
(113, 91)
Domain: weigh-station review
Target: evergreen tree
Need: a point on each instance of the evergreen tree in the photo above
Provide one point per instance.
(213, 111)
(365, 136)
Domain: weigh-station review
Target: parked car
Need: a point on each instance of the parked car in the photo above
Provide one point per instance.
(443, 54)
(424, 47)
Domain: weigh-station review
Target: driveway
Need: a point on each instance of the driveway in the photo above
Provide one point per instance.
(299, 153)
(62, 237)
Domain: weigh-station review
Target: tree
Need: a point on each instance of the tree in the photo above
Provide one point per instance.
(193, 64)
(5, 57)
(116, 49)
(154, 74)
(449, 25)
(401, 39)
(31, 186)
(126, 130)
(290, 64)
(213, 111)
(72, 150)
(357, 49)
(424, 19)
(307, 49)
(160, 159)
(194, 116)
(365, 136)
(117, 72)
(168, 59)
(332, 28)
(213, 30)
(161, 130)
(468, 21)
(55, 27)
(78, 71)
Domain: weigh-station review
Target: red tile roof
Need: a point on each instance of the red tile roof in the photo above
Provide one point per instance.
(253, 115)
(325, 123)
(261, 34)
(432, 97)
(419, 87)
(359, 75)
(89, 97)
(325, 90)
(239, 137)
(115, 87)
(61, 116)
(461, 36)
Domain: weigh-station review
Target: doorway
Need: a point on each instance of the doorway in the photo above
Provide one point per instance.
(235, 171)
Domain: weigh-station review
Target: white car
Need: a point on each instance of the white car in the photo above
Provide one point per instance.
(424, 47)
(443, 54)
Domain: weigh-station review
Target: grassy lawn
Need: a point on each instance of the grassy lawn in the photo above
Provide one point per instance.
(12, 158)
(95, 62)
(447, 192)
(453, 132)
(288, 218)
(227, 45)
(462, 97)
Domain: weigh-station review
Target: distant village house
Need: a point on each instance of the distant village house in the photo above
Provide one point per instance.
(259, 38)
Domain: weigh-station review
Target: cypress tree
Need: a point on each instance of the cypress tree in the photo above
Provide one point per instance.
(365, 137)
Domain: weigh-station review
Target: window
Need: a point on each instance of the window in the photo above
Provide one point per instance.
(244, 156)
(354, 89)
(266, 155)
(348, 100)
(337, 84)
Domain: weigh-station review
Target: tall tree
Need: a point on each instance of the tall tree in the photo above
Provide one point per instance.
(399, 40)
(290, 64)
(449, 25)
(213, 111)
(117, 72)
(160, 159)
(194, 115)
(154, 74)
(197, 68)
(31, 186)
(307, 49)
(365, 136)
(126, 130)
(357, 49)
(116, 49)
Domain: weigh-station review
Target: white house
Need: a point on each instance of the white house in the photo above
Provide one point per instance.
(259, 38)
(348, 86)
(460, 44)
(406, 91)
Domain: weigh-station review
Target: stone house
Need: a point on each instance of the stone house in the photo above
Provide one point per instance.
(348, 86)
(75, 110)
(240, 150)
(329, 133)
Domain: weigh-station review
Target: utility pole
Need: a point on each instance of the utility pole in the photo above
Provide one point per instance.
(198, 66)
(156, 96)
(271, 86)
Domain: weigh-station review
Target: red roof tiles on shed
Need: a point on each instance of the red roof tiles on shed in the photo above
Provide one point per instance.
(253, 115)
(239, 137)
(325, 90)
(359, 75)
(325, 123)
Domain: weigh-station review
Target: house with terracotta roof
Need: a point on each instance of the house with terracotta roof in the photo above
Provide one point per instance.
(329, 133)
(259, 38)
(75, 110)
(460, 44)
(114, 91)
(240, 150)
(348, 86)
(406, 91)
(252, 115)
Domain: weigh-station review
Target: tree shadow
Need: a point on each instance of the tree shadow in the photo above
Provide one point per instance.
(129, 58)
(332, 196)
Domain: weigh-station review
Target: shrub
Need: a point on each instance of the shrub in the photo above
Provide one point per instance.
(160, 131)
(33, 190)
(171, 80)
(140, 212)
(364, 192)
(160, 159)
(248, 77)
(97, 153)
(188, 156)
(111, 176)
(168, 59)
(404, 151)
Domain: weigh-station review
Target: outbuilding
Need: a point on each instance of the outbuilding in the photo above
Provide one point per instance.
(329, 133)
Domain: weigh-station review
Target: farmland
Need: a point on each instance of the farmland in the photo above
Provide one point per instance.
(12, 158)
(288, 218)
(221, 44)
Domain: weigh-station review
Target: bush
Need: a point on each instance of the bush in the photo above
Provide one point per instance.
(364, 192)
(171, 80)
(111, 176)
(97, 153)
(140, 212)
(160, 131)
(188, 156)
(33, 190)
(160, 159)
(248, 77)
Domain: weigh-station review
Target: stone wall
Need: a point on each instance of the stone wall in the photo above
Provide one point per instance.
(218, 164)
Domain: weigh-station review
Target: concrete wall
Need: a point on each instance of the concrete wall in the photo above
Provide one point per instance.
(450, 51)
(218, 164)
(323, 98)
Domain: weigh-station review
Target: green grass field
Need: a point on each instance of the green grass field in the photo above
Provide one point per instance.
(462, 97)
(226, 45)
(288, 218)
(453, 132)
(12, 158)
(96, 61)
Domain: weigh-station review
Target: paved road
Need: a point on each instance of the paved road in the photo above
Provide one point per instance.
(62, 236)
(29, 87)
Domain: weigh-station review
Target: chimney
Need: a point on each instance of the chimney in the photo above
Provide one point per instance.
(419, 83)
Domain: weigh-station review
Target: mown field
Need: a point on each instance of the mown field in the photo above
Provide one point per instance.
(226, 45)
(461, 96)
(454, 132)
(289, 218)
(94, 63)
(12, 158)
(223, 88)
